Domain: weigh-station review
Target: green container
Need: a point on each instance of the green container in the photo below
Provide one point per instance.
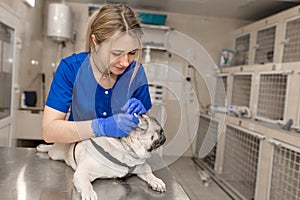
(156, 19)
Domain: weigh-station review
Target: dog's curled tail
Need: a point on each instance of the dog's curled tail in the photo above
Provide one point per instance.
(44, 147)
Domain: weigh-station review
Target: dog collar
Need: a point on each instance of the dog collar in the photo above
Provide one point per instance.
(74, 149)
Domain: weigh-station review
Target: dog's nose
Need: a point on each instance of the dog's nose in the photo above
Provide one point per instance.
(160, 141)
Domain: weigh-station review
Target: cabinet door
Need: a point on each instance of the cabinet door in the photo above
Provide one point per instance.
(8, 25)
(6, 61)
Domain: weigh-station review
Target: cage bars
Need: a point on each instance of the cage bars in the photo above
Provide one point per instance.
(241, 157)
(285, 178)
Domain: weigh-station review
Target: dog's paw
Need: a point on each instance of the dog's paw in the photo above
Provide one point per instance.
(157, 185)
(42, 155)
(89, 195)
(43, 148)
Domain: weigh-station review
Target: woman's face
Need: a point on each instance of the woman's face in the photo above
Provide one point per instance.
(118, 53)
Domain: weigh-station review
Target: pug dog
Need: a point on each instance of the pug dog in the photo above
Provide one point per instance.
(107, 157)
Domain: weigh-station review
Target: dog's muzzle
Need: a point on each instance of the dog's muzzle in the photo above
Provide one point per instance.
(159, 142)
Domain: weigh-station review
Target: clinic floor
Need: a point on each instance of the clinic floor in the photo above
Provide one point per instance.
(186, 174)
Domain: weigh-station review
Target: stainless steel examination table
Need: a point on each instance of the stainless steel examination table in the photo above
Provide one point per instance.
(24, 174)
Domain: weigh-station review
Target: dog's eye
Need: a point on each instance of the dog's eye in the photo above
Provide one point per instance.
(152, 137)
(161, 131)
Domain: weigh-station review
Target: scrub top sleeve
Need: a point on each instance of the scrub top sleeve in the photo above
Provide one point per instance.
(60, 94)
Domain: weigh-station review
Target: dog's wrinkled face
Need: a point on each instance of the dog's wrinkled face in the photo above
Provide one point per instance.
(149, 133)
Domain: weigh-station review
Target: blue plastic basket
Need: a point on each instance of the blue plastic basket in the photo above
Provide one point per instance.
(147, 18)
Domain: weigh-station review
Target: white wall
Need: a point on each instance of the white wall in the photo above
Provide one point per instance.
(213, 33)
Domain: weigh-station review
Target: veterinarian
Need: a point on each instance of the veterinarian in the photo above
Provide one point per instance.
(103, 88)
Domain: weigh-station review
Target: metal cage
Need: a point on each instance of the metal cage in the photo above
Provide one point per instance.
(272, 96)
(265, 45)
(240, 160)
(291, 51)
(242, 45)
(285, 178)
(241, 90)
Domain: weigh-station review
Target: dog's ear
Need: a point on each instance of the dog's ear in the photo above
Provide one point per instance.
(143, 123)
(141, 116)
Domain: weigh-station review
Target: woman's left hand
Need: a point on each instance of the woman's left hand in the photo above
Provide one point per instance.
(134, 105)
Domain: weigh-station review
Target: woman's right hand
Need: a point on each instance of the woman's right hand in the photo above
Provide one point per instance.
(118, 125)
(134, 106)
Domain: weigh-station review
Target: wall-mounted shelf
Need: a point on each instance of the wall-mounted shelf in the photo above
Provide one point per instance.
(32, 109)
(152, 26)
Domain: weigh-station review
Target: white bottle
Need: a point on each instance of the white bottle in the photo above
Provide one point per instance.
(23, 105)
(147, 56)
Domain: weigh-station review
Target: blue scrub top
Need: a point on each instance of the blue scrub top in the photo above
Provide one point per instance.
(75, 87)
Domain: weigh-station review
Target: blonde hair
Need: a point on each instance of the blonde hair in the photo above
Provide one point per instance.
(109, 20)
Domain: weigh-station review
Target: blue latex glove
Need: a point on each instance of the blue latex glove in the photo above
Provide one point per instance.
(134, 105)
(118, 125)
